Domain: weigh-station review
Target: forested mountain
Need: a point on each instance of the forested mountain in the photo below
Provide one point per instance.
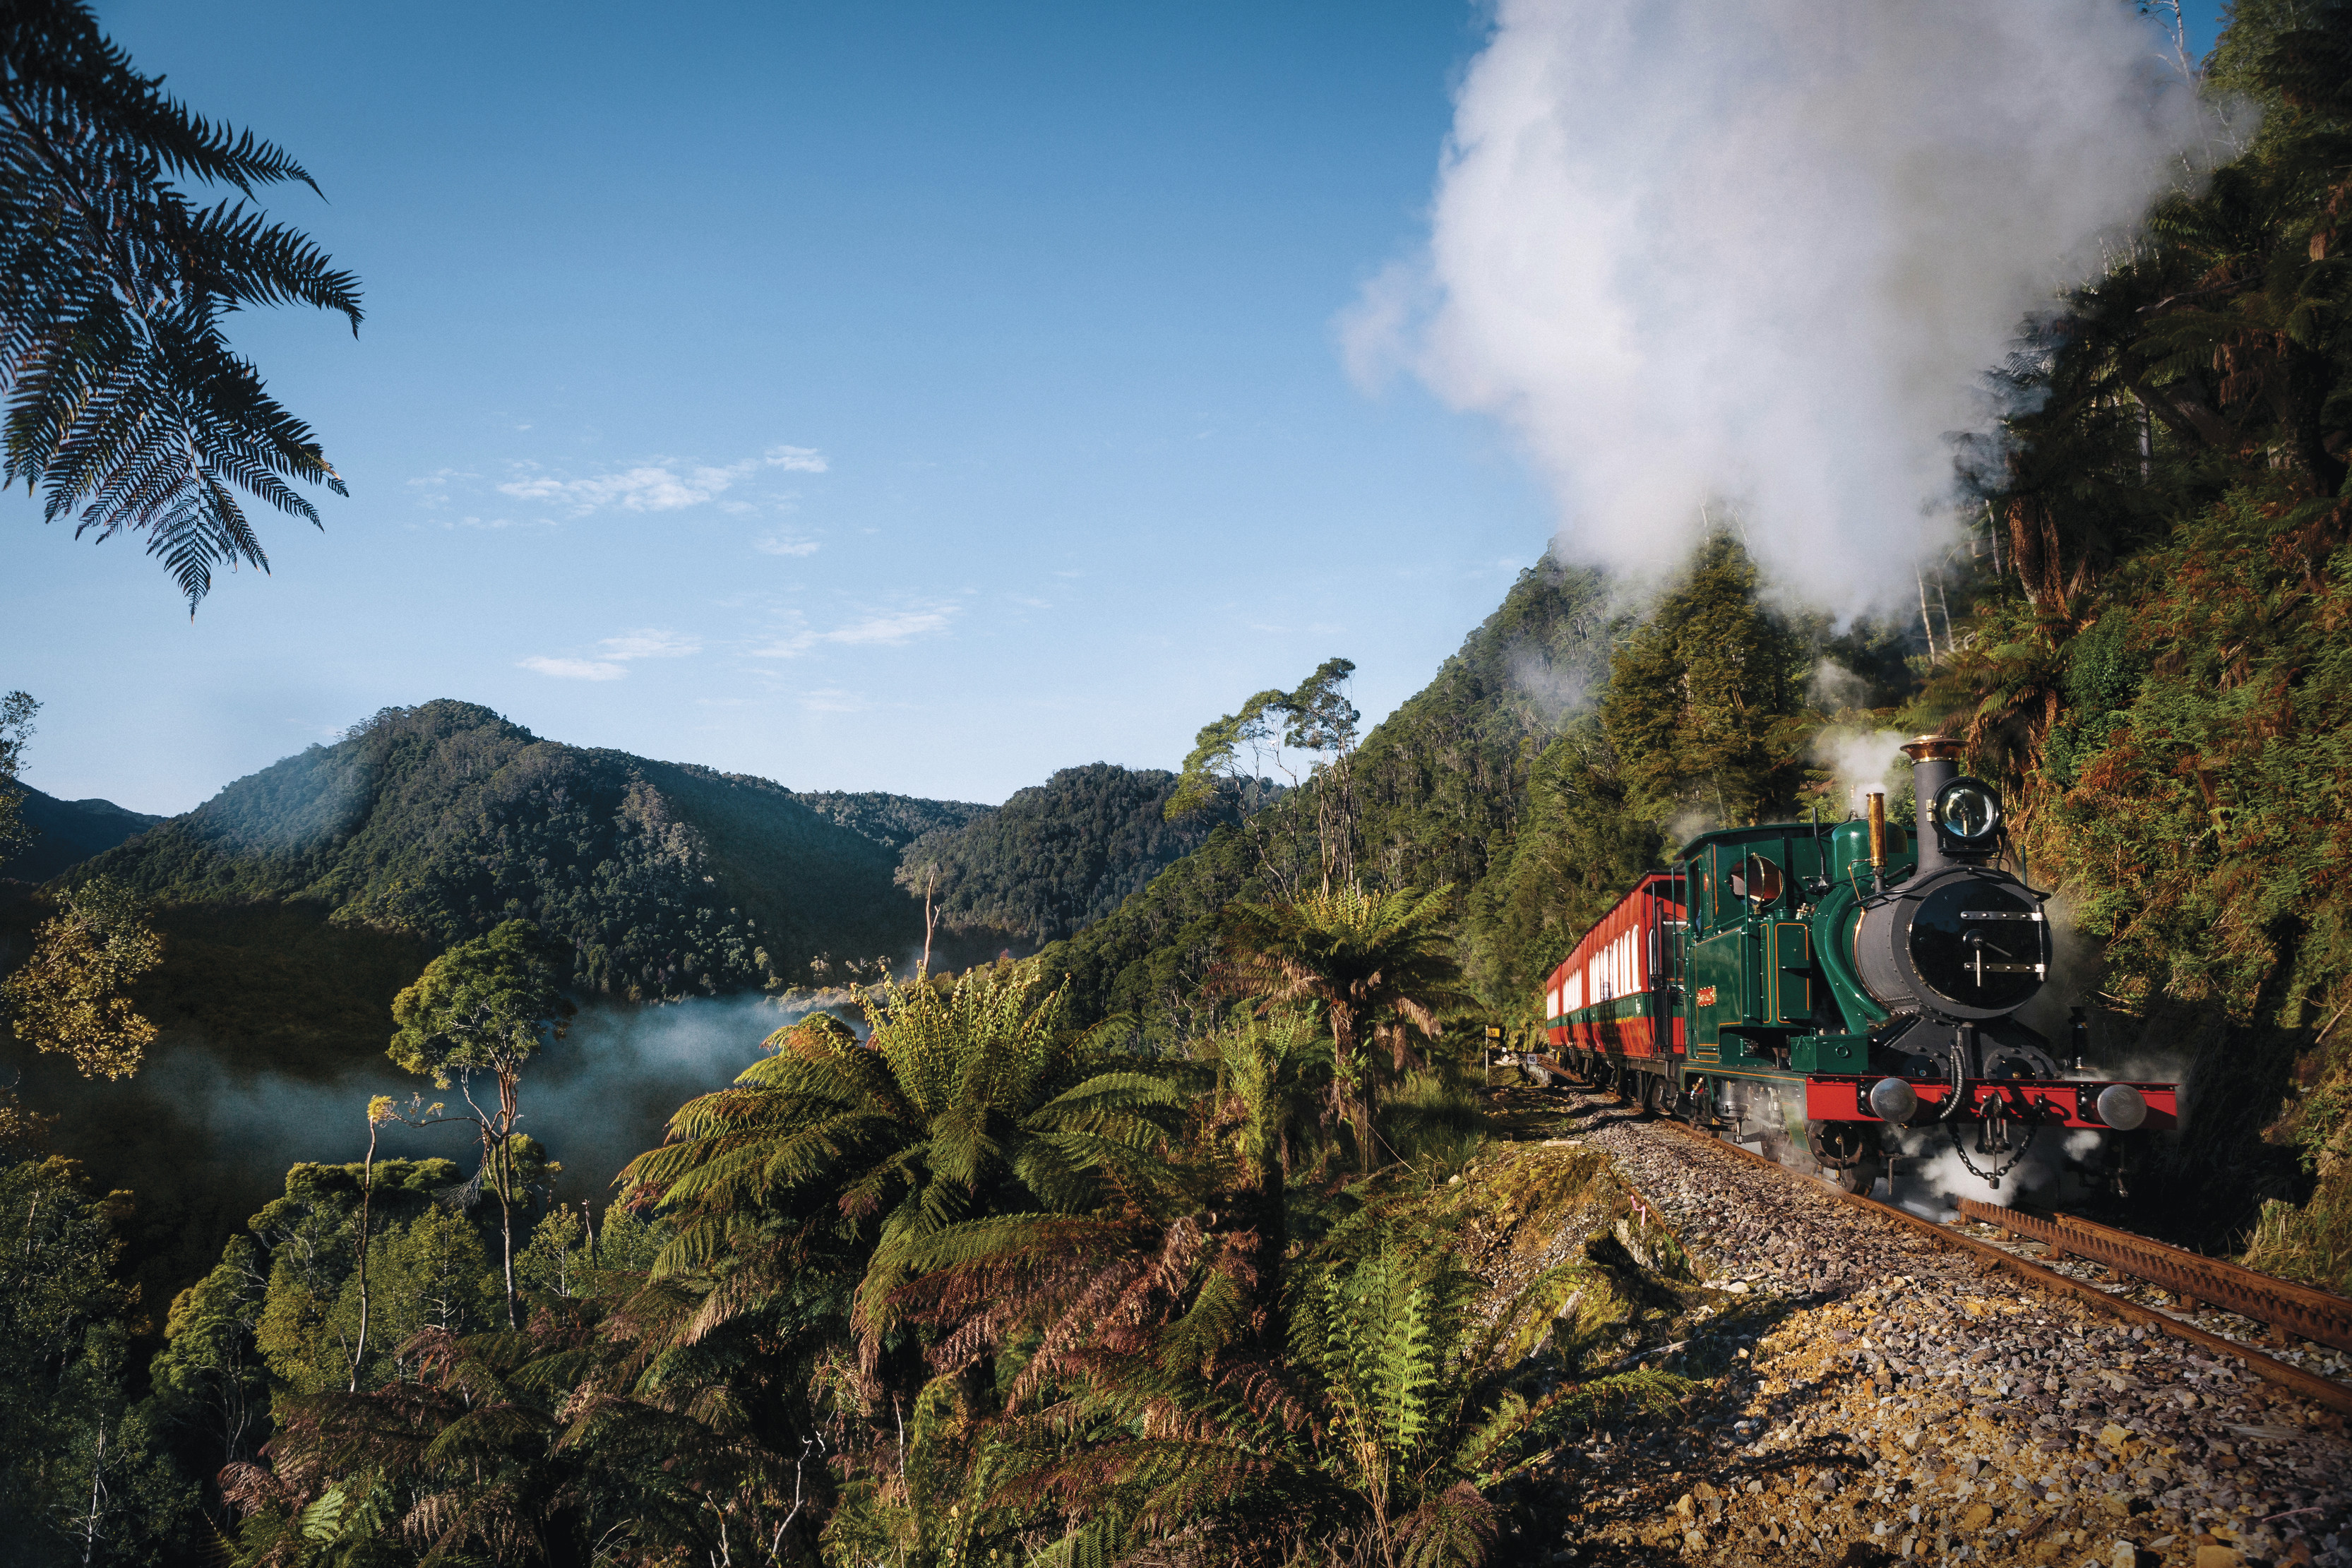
(664, 879)
(66, 832)
(1056, 857)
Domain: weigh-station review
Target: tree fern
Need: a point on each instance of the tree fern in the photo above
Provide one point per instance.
(123, 398)
(968, 1100)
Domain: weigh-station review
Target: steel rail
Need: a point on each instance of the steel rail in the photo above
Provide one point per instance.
(2310, 1386)
(2314, 1314)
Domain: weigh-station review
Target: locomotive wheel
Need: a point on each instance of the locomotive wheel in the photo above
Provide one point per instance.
(1847, 1154)
(1860, 1177)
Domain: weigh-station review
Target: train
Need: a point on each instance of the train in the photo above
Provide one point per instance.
(1820, 988)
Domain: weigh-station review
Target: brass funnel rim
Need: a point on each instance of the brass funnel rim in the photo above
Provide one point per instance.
(1934, 748)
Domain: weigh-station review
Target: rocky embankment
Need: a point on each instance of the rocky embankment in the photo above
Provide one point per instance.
(1889, 1400)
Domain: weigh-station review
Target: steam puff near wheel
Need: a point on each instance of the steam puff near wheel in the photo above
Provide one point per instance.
(1848, 991)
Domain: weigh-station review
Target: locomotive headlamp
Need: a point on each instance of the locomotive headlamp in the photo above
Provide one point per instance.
(2121, 1106)
(1892, 1100)
(1968, 812)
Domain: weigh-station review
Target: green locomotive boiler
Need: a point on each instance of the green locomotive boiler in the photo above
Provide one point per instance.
(1828, 982)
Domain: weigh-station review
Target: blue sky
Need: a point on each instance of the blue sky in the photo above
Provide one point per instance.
(919, 398)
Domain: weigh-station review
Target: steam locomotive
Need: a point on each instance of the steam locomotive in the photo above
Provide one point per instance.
(1834, 982)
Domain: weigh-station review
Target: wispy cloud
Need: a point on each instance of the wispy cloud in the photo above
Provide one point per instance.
(795, 459)
(833, 699)
(650, 643)
(783, 544)
(662, 484)
(575, 669)
(903, 626)
(617, 652)
(885, 629)
(433, 489)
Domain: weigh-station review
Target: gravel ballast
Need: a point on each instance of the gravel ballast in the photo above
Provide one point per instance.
(1903, 1401)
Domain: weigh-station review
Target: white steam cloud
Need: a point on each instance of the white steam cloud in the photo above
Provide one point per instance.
(1759, 256)
(1862, 761)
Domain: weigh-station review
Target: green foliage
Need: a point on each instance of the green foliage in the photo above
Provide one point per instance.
(1276, 1068)
(1381, 1431)
(86, 1476)
(72, 996)
(16, 711)
(1580, 844)
(440, 821)
(627, 1241)
(1216, 777)
(606, 1436)
(1694, 695)
(209, 1377)
(1380, 967)
(967, 1100)
(305, 1320)
(485, 1006)
(122, 390)
(1056, 857)
(1434, 1120)
(1318, 722)
(556, 1259)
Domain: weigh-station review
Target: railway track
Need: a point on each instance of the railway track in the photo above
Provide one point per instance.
(2287, 1307)
(2310, 1386)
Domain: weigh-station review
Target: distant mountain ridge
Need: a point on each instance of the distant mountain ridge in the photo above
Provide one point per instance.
(1056, 857)
(66, 832)
(665, 879)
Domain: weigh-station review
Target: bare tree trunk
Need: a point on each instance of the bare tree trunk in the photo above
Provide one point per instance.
(1925, 623)
(97, 1495)
(930, 881)
(367, 1191)
(507, 1093)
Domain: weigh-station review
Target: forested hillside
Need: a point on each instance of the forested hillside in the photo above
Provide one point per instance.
(1056, 857)
(66, 831)
(664, 880)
